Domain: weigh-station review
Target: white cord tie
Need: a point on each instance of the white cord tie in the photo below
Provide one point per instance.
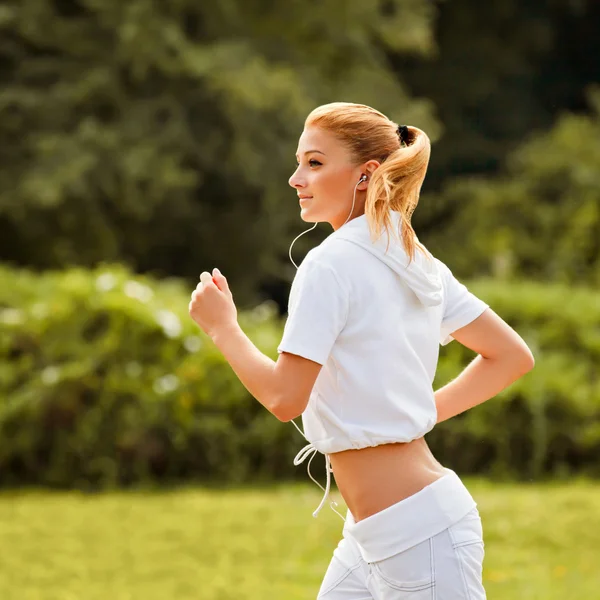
(310, 451)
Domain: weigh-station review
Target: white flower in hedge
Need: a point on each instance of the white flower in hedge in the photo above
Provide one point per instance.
(166, 384)
(133, 369)
(12, 316)
(192, 343)
(39, 311)
(106, 282)
(169, 322)
(138, 291)
(264, 311)
(50, 375)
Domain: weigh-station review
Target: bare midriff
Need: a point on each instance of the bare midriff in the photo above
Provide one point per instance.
(375, 478)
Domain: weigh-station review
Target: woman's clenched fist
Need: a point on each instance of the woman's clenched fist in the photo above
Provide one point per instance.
(212, 305)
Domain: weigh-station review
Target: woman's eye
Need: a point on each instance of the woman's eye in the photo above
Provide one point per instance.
(311, 163)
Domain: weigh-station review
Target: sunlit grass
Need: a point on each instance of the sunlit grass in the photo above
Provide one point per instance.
(542, 542)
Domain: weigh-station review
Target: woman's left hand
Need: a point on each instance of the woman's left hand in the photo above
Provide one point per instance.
(212, 305)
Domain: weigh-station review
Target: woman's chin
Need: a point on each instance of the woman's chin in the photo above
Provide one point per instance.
(307, 216)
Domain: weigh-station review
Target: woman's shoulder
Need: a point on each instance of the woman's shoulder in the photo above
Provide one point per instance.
(336, 255)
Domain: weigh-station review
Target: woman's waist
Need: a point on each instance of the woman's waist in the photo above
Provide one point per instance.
(331, 434)
(374, 478)
(411, 521)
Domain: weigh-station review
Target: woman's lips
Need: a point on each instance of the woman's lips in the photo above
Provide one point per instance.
(304, 198)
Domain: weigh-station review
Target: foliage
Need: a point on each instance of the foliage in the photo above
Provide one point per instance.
(542, 218)
(106, 381)
(162, 135)
(546, 422)
(500, 72)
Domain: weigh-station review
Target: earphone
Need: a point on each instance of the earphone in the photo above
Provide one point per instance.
(363, 177)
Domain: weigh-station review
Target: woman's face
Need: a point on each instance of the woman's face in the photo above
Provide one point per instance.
(325, 179)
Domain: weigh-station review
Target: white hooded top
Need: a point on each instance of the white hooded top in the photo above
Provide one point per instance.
(375, 323)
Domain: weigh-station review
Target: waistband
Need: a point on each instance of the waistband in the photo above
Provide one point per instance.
(412, 520)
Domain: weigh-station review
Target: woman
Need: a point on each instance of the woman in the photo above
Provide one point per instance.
(368, 310)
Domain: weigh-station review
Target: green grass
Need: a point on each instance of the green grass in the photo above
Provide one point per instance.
(542, 542)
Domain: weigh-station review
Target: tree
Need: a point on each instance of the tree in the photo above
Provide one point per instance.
(541, 218)
(501, 71)
(163, 134)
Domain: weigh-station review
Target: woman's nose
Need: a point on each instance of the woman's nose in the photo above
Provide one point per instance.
(295, 180)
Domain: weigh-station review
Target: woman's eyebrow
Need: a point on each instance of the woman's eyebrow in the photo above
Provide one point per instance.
(313, 151)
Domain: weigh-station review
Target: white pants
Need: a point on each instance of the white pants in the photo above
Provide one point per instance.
(417, 549)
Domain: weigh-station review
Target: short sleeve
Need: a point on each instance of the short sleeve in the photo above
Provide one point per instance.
(317, 312)
(461, 307)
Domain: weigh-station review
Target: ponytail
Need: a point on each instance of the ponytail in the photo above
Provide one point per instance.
(396, 185)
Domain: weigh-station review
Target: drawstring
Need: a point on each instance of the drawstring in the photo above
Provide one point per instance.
(310, 450)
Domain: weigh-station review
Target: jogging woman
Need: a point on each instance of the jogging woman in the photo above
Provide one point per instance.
(368, 310)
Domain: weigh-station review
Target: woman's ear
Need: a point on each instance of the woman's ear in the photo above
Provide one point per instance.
(367, 171)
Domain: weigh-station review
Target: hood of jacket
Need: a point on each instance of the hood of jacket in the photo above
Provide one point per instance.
(422, 274)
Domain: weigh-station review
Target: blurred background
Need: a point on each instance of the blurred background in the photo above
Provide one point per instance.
(144, 142)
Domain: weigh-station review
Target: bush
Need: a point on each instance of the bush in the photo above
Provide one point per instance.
(105, 381)
(546, 423)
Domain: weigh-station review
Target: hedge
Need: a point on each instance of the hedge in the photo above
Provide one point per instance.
(105, 381)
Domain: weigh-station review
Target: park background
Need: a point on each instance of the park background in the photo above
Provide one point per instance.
(144, 142)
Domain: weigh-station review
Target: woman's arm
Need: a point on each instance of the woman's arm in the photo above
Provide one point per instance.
(503, 358)
(282, 387)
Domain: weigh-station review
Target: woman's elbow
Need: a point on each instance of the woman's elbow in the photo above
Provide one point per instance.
(525, 360)
(285, 415)
(515, 360)
(287, 408)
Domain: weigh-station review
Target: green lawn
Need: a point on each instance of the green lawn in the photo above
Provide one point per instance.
(542, 542)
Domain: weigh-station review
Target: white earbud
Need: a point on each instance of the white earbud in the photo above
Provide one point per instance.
(362, 178)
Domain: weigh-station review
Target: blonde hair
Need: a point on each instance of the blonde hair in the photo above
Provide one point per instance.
(396, 184)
